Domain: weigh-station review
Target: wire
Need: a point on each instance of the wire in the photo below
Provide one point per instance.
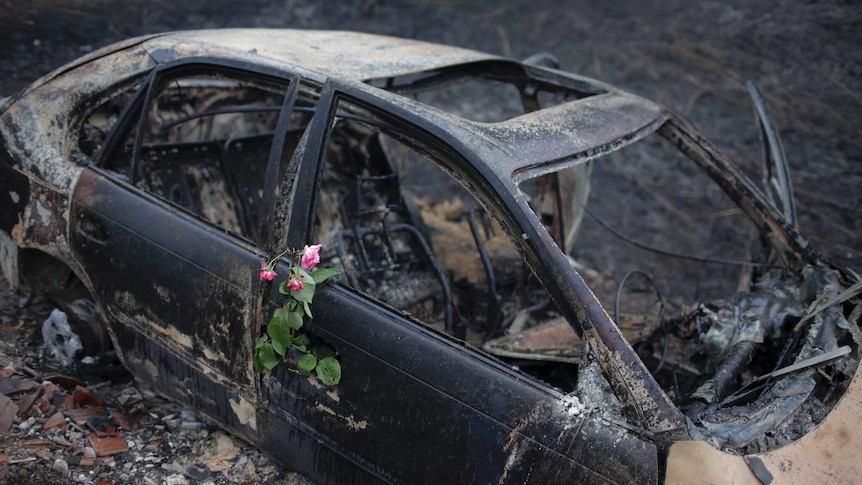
(657, 321)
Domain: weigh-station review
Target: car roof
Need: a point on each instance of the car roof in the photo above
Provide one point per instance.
(531, 143)
(534, 141)
(345, 55)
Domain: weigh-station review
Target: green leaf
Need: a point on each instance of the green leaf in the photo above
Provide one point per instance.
(263, 339)
(258, 367)
(267, 357)
(279, 315)
(329, 371)
(290, 305)
(301, 273)
(294, 320)
(307, 292)
(323, 274)
(279, 348)
(307, 309)
(323, 351)
(279, 330)
(307, 364)
(301, 342)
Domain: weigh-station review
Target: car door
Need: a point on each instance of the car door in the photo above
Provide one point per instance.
(414, 405)
(169, 230)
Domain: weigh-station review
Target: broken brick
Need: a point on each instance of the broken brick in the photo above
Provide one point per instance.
(27, 401)
(102, 426)
(47, 408)
(33, 444)
(55, 420)
(80, 416)
(121, 420)
(16, 384)
(8, 409)
(108, 446)
(83, 397)
(66, 382)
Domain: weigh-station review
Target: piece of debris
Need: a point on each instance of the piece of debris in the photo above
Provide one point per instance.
(223, 453)
(108, 445)
(8, 410)
(93, 438)
(61, 342)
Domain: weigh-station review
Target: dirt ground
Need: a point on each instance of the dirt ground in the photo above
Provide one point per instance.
(692, 56)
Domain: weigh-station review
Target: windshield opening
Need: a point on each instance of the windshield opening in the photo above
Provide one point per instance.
(697, 293)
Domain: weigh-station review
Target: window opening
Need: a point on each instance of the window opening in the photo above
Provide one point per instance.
(408, 234)
(487, 91)
(100, 121)
(206, 143)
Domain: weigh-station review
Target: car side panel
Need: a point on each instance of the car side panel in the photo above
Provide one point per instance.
(416, 407)
(179, 295)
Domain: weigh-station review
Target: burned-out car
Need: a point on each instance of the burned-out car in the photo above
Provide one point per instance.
(544, 278)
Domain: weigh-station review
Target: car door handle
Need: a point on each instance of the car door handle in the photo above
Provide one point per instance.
(92, 228)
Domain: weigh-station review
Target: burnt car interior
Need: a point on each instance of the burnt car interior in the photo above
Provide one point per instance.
(409, 235)
(405, 232)
(204, 147)
(212, 160)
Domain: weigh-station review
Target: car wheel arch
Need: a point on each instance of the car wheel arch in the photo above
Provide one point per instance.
(40, 273)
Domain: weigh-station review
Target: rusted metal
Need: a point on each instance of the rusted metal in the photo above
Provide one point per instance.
(775, 169)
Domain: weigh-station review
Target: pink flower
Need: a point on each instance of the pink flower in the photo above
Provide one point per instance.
(266, 272)
(295, 283)
(310, 257)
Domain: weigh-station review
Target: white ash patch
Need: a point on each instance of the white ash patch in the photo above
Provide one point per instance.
(572, 405)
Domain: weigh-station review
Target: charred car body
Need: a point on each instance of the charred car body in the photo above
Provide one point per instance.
(462, 195)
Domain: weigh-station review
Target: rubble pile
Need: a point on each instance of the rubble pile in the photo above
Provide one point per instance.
(90, 423)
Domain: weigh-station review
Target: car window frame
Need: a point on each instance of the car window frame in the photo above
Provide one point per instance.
(430, 135)
(304, 199)
(135, 114)
(498, 194)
